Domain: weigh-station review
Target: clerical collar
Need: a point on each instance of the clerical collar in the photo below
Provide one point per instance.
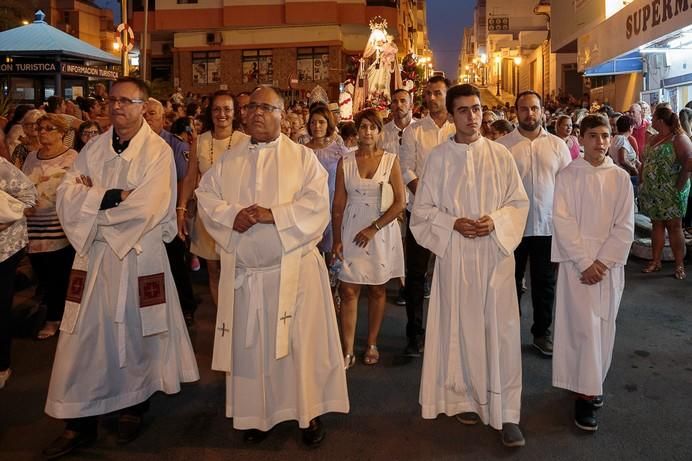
(118, 146)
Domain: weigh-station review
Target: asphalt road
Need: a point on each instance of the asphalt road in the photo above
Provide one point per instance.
(647, 415)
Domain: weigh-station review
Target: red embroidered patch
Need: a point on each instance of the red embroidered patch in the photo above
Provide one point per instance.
(75, 286)
(152, 290)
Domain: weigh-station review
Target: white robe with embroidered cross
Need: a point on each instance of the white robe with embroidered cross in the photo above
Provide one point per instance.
(472, 360)
(593, 218)
(276, 333)
(122, 337)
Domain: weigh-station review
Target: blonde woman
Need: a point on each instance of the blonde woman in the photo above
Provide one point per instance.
(29, 140)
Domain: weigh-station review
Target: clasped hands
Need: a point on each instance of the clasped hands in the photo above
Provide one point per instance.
(594, 273)
(472, 228)
(86, 181)
(248, 217)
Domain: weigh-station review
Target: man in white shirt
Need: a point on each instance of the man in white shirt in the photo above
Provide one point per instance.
(539, 156)
(418, 141)
(402, 118)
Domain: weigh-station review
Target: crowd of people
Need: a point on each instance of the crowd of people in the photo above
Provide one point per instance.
(293, 211)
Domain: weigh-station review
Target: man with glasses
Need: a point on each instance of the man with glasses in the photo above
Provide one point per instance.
(488, 118)
(266, 204)
(123, 336)
(539, 156)
(418, 141)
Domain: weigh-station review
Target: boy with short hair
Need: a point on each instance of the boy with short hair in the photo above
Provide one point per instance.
(593, 229)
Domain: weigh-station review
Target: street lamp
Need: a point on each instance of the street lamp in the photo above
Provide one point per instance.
(484, 62)
(517, 63)
(498, 60)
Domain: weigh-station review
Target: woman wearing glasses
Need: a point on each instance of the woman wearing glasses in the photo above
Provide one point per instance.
(49, 251)
(28, 141)
(85, 133)
(204, 151)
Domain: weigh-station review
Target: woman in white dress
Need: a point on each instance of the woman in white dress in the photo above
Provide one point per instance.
(365, 239)
(204, 151)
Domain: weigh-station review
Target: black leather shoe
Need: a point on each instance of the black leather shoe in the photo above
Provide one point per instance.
(65, 444)
(314, 434)
(413, 348)
(254, 435)
(128, 428)
(585, 415)
(598, 401)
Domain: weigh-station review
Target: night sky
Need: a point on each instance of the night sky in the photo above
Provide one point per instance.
(446, 22)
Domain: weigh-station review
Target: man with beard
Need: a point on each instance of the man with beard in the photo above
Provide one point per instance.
(402, 118)
(539, 156)
(265, 202)
(418, 141)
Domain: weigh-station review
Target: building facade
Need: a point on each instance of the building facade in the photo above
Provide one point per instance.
(206, 45)
(83, 20)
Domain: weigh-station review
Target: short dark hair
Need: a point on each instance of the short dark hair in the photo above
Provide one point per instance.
(624, 123)
(439, 78)
(527, 93)
(371, 116)
(593, 121)
(348, 130)
(401, 90)
(458, 91)
(502, 125)
(141, 85)
(53, 103)
(181, 125)
(327, 114)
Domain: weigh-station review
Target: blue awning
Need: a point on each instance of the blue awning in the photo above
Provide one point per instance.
(41, 39)
(625, 64)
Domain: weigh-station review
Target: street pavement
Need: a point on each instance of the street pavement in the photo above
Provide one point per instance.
(647, 413)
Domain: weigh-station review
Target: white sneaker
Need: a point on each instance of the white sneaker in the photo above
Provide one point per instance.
(4, 376)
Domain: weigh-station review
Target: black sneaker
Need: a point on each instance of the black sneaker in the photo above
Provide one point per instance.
(598, 401)
(544, 345)
(401, 299)
(413, 348)
(585, 415)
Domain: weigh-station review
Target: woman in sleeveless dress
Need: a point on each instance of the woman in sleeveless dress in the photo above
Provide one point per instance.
(204, 151)
(665, 187)
(367, 241)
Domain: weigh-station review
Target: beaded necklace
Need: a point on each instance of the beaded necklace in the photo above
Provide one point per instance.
(211, 147)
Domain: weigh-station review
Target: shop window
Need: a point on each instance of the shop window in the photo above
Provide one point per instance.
(206, 67)
(258, 66)
(22, 89)
(313, 63)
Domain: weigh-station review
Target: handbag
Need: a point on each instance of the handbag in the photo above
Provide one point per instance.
(386, 196)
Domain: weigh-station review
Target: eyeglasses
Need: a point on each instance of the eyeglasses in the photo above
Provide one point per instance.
(253, 106)
(123, 102)
(401, 134)
(28, 125)
(48, 129)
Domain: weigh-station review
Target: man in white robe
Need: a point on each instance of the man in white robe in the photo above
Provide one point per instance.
(123, 336)
(470, 211)
(266, 205)
(593, 229)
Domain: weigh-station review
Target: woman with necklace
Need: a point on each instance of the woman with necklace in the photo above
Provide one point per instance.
(665, 187)
(206, 149)
(367, 240)
(324, 143)
(50, 252)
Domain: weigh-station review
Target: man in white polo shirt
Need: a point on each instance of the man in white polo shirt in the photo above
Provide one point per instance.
(418, 141)
(539, 156)
(402, 118)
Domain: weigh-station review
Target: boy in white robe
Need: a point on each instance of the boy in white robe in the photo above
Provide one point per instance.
(470, 211)
(266, 204)
(122, 336)
(593, 229)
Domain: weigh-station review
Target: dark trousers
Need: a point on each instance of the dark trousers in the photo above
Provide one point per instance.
(176, 251)
(536, 250)
(8, 271)
(53, 271)
(417, 259)
(90, 423)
